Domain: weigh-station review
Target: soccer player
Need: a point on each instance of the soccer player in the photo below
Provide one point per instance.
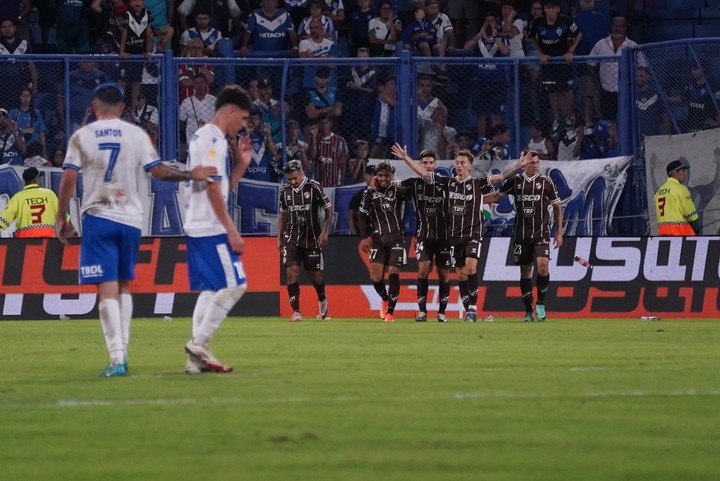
(464, 217)
(381, 228)
(431, 240)
(301, 235)
(214, 245)
(675, 210)
(533, 194)
(33, 209)
(109, 152)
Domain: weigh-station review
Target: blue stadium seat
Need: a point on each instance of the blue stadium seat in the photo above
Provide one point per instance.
(706, 30)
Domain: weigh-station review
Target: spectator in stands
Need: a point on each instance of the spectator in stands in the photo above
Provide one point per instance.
(114, 22)
(444, 31)
(225, 14)
(187, 71)
(652, 117)
(359, 27)
(420, 35)
(295, 149)
(495, 147)
(512, 28)
(30, 122)
(317, 45)
(270, 30)
(327, 29)
(329, 153)
(600, 141)
(464, 15)
(384, 124)
(83, 81)
(253, 90)
(384, 31)
(357, 165)
(490, 89)
(297, 10)
(613, 45)
(359, 95)
(427, 102)
(464, 141)
(556, 35)
(73, 29)
(323, 100)
(571, 139)
(136, 39)
(18, 11)
(146, 116)
(540, 142)
(264, 158)
(335, 10)
(594, 27)
(203, 31)
(702, 113)
(12, 144)
(437, 135)
(269, 107)
(198, 109)
(162, 19)
(16, 75)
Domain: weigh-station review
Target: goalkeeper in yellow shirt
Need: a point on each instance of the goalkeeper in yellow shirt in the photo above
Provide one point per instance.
(676, 212)
(33, 209)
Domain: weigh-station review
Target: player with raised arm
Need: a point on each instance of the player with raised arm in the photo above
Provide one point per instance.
(214, 245)
(109, 152)
(533, 194)
(464, 217)
(301, 236)
(381, 228)
(431, 240)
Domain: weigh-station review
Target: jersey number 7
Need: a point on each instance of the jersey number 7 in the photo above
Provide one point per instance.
(114, 149)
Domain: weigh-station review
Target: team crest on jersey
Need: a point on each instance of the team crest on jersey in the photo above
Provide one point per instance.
(538, 185)
(213, 140)
(468, 187)
(559, 31)
(307, 195)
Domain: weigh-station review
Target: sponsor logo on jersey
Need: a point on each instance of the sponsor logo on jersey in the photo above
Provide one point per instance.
(529, 197)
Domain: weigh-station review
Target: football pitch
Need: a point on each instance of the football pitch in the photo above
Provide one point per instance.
(361, 400)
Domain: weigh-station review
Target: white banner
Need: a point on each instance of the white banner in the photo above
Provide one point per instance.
(699, 149)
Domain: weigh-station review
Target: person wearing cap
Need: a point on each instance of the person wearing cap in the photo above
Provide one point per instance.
(302, 235)
(354, 204)
(381, 228)
(674, 207)
(323, 100)
(359, 22)
(384, 31)
(12, 142)
(33, 209)
(109, 153)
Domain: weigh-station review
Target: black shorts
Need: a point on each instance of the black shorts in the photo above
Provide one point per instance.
(526, 251)
(557, 77)
(388, 250)
(311, 259)
(461, 249)
(428, 249)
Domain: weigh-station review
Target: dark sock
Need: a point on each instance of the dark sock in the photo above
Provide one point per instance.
(543, 283)
(526, 291)
(394, 291)
(422, 290)
(320, 289)
(444, 296)
(380, 289)
(473, 289)
(464, 295)
(294, 295)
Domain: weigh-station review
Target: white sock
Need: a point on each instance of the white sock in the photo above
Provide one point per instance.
(201, 306)
(112, 329)
(217, 311)
(126, 310)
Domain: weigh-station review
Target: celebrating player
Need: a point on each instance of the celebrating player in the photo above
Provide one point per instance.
(381, 229)
(533, 194)
(214, 245)
(431, 241)
(109, 151)
(464, 218)
(301, 236)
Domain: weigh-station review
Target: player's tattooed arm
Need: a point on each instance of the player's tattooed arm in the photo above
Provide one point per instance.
(401, 153)
(512, 170)
(173, 174)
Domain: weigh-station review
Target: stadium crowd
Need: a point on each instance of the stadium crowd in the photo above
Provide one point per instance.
(567, 110)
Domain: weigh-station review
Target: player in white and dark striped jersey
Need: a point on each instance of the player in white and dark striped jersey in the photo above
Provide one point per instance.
(301, 235)
(214, 245)
(381, 227)
(431, 239)
(533, 194)
(110, 153)
(464, 217)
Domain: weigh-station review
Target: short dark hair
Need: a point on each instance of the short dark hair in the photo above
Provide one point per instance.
(292, 166)
(386, 166)
(233, 95)
(428, 153)
(109, 93)
(203, 11)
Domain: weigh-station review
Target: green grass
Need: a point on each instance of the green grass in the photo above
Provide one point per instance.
(360, 400)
